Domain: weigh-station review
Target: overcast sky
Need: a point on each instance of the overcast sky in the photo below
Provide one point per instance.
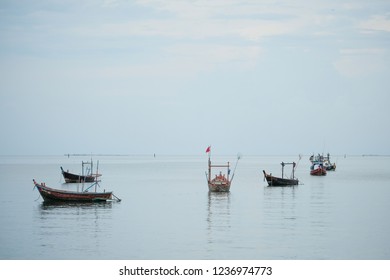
(172, 77)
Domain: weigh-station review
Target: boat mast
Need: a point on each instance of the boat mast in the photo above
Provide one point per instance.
(293, 170)
(228, 171)
(209, 169)
(97, 169)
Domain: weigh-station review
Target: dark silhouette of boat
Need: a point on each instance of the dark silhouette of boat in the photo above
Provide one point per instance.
(281, 181)
(86, 175)
(74, 178)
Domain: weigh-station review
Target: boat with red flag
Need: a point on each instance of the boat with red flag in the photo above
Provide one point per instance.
(220, 182)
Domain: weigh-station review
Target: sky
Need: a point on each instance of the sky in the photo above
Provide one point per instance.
(173, 77)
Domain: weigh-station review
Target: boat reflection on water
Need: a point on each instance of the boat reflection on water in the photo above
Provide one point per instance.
(218, 220)
(56, 225)
(47, 205)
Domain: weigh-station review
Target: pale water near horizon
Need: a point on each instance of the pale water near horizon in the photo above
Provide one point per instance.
(166, 211)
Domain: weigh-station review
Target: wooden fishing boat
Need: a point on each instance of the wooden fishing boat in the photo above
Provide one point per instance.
(86, 176)
(277, 181)
(51, 195)
(74, 178)
(221, 182)
(317, 170)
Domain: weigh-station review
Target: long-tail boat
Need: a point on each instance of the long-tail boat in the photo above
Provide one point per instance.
(281, 181)
(51, 195)
(86, 174)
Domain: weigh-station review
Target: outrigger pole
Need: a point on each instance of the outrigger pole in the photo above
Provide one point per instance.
(234, 171)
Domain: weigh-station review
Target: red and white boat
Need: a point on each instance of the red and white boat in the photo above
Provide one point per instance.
(317, 170)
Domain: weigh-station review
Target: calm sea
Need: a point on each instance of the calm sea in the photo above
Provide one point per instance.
(166, 211)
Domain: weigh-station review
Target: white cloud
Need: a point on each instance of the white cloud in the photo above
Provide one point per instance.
(208, 57)
(110, 3)
(185, 61)
(250, 30)
(360, 62)
(376, 23)
(249, 20)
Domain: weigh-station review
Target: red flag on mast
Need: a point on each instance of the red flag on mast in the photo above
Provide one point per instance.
(208, 149)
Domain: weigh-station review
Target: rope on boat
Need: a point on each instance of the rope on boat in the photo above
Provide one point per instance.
(37, 197)
(35, 186)
(117, 198)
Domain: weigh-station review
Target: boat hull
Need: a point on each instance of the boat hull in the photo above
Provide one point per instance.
(331, 167)
(74, 178)
(50, 194)
(318, 172)
(279, 182)
(219, 186)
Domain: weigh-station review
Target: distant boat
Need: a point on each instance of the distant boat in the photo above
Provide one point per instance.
(53, 195)
(86, 175)
(277, 181)
(325, 160)
(317, 169)
(328, 165)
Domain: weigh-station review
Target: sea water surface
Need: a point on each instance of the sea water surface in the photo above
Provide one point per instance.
(166, 210)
